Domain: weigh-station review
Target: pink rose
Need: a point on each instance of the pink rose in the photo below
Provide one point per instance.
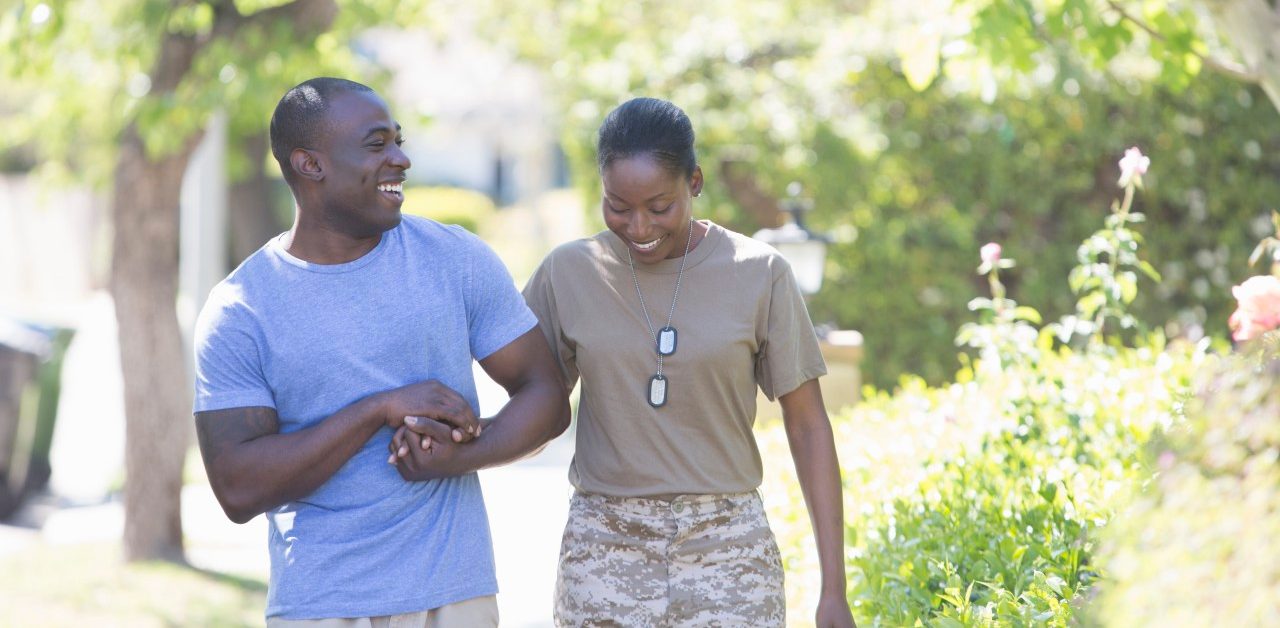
(1257, 307)
(990, 253)
(1134, 164)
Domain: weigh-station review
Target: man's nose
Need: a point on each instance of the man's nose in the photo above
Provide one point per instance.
(398, 158)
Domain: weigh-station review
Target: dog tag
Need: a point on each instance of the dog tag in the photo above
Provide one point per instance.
(657, 391)
(666, 341)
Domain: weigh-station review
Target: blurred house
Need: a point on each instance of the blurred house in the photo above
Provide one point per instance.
(489, 124)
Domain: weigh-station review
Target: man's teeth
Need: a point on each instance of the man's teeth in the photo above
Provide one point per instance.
(648, 246)
(398, 188)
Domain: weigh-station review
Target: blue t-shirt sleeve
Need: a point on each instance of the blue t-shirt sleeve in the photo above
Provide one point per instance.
(496, 313)
(228, 364)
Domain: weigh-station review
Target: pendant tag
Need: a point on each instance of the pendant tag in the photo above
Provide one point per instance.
(667, 340)
(657, 391)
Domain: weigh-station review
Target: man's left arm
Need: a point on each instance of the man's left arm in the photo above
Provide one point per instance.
(537, 412)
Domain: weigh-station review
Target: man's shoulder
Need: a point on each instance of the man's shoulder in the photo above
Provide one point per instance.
(418, 229)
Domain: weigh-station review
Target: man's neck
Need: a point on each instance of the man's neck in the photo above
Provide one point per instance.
(319, 244)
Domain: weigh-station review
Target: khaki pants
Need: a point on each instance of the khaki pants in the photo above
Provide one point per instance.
(696, 560)
(481, 612)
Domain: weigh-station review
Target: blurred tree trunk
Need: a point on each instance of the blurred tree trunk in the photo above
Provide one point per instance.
(739, 180)
(250, 210)
(144, 277)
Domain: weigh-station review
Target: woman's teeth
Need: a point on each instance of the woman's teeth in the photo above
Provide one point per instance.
(648, 246)
(397, 188)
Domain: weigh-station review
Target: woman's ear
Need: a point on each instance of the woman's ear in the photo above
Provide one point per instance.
(304, 163)
(695, 181)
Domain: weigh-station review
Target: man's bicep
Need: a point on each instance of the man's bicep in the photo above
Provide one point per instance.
(521, 360)
(220, 430)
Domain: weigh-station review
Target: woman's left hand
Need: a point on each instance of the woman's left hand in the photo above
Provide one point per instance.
(833, 612)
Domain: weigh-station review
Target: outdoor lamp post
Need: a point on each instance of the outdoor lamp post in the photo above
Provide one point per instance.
(805, 250)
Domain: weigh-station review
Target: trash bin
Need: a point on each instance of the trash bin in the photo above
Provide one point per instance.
(30, 365)
(49, 380)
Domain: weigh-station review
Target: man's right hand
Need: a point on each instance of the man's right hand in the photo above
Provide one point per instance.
(431, 400)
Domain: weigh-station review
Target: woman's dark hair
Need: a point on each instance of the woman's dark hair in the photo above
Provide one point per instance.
(648, 126)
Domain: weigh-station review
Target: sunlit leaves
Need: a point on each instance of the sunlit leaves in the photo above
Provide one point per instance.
(81, 76)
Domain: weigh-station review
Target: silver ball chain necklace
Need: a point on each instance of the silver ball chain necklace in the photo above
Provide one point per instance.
(664, 339)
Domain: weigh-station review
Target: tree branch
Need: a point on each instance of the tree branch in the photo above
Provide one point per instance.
(307, 16)
(1227, 68)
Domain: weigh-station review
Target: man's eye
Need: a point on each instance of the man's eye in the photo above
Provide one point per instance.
(399, 141)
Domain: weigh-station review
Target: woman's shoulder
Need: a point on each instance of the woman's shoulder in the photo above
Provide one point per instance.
(745, 249)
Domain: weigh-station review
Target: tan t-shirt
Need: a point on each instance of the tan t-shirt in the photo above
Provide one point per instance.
(741, 322)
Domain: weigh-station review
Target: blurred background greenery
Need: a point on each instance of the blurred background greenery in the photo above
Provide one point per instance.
(920, 130)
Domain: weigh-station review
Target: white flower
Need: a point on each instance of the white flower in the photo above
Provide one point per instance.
(990, 253)
(1133, 166)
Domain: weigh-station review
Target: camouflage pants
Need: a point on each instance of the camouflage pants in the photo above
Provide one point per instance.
(696, 560)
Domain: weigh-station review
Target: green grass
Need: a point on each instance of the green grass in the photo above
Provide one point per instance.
(89, 585)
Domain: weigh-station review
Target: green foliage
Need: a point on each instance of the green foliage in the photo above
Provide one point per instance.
(78, 75)
(1004, 533)
(1105, 279)
(1199, 547)
(1022, 33)
(455, 206)
(956, 172)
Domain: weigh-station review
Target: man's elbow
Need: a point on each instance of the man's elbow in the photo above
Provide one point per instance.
(566, 417)
(239, 506)
(563, 416)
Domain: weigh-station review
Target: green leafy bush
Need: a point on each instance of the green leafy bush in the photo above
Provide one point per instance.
(980, 502)
(1004, 533)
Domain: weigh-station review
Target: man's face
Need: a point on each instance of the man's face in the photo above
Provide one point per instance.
(363, 165)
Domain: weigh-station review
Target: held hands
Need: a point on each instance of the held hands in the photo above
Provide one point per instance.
(427, 454)
(434, 404)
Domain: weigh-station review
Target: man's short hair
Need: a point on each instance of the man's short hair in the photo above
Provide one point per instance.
(299, 118)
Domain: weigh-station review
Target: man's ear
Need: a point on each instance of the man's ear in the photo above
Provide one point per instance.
(304, 163)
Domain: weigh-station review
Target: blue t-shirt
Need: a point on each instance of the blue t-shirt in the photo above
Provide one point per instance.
(308, 340)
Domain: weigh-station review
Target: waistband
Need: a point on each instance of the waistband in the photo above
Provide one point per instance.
(664, 505)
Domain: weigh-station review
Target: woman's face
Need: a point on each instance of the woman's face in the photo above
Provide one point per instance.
(649, 206)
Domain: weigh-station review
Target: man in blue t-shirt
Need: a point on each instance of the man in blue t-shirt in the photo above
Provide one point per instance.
(352, 327)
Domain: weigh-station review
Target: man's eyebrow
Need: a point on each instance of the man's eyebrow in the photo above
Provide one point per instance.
(379, 130)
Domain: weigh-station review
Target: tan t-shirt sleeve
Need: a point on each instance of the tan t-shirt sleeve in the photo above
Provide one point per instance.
(540, 295)
(789, 354)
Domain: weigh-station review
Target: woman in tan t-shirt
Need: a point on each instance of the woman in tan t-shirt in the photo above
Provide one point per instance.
(670, 324)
